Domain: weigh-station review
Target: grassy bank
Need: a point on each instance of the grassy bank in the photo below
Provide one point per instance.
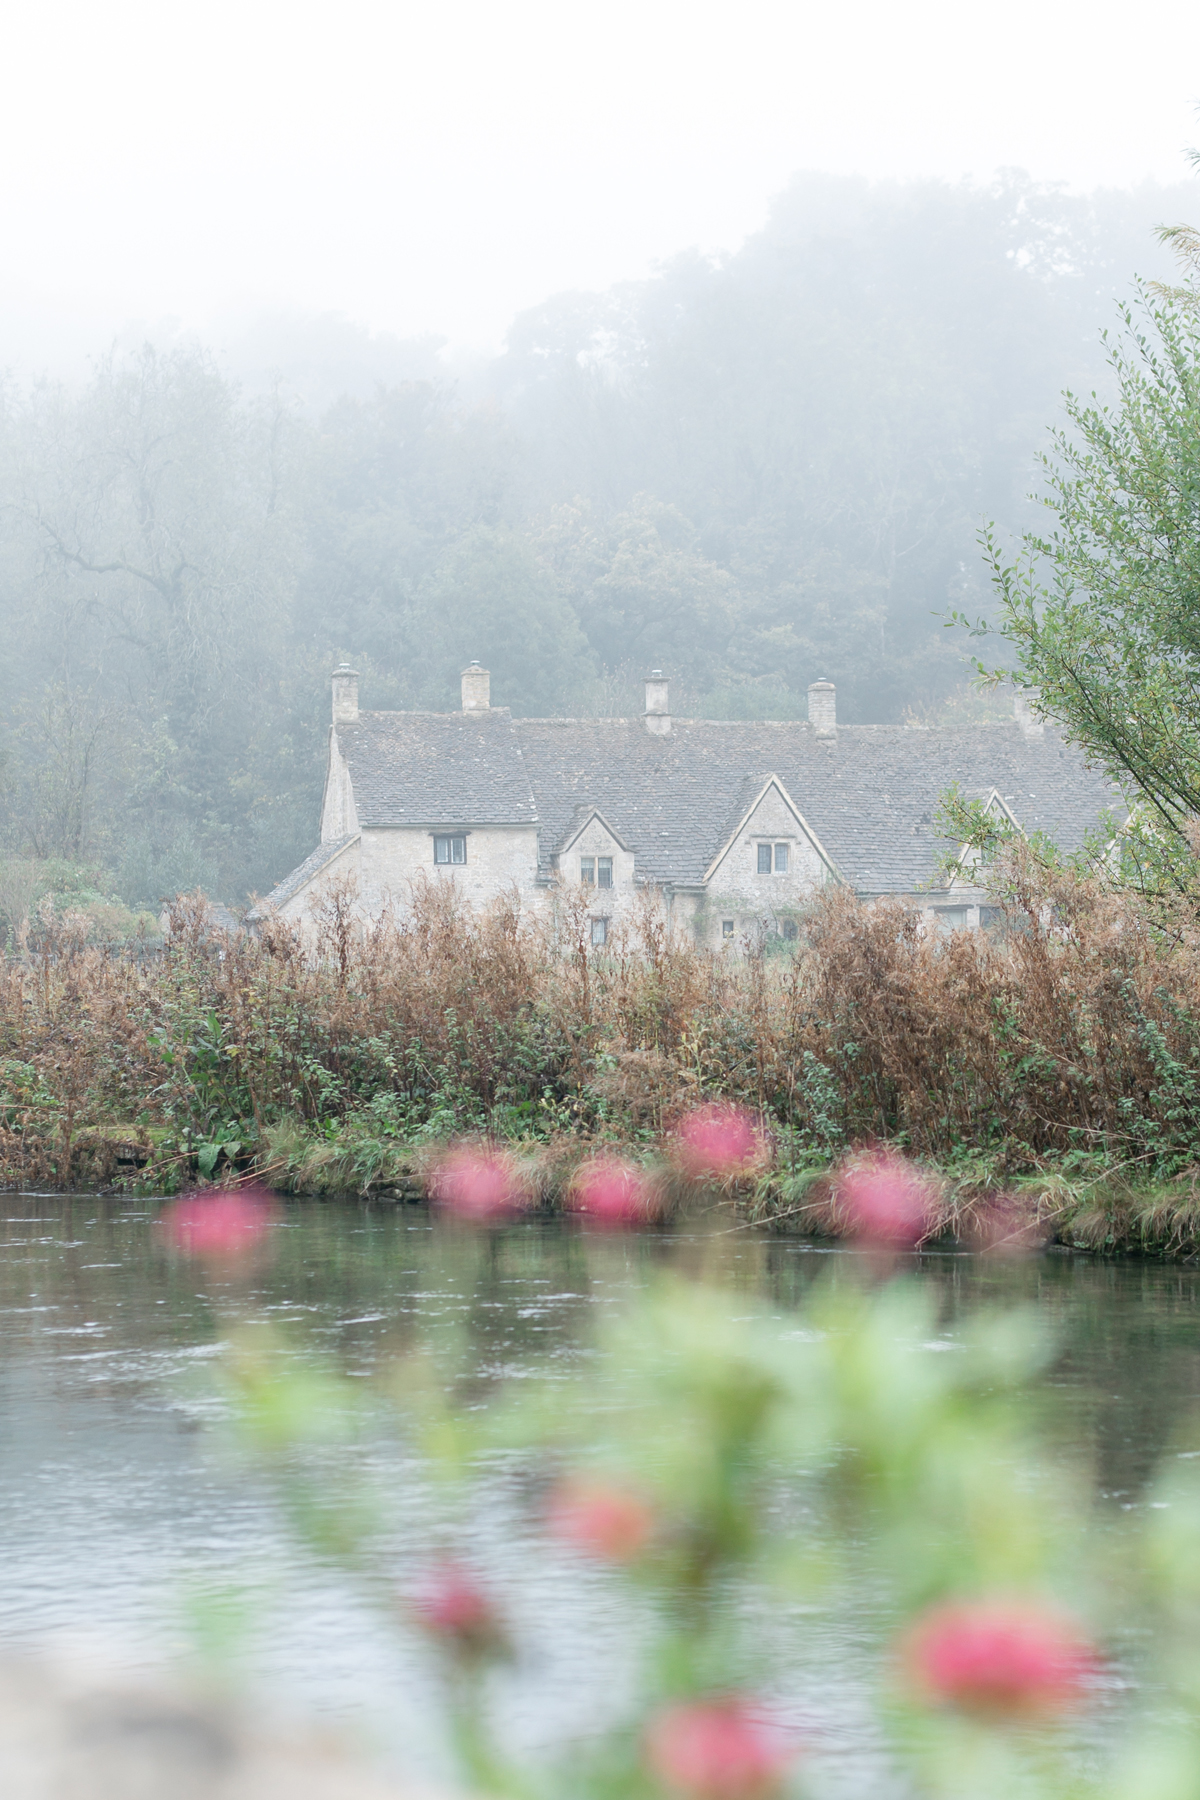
(1056, 1063)
(1081, 1202)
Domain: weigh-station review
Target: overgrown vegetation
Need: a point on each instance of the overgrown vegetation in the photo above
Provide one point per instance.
(1056, 1060)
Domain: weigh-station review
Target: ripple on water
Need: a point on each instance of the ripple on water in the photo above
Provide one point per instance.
(119, 1494)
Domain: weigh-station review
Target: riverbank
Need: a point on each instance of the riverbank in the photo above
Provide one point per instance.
(1050, 1071)
(1082, 1204)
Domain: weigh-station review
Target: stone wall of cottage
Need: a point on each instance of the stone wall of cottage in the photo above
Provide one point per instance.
(740, 904)
(615, 904)
(304, 908)
(338, 815)
(499, 858)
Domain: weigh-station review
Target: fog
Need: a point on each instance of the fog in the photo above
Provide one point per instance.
(575, 342)
(437, 169)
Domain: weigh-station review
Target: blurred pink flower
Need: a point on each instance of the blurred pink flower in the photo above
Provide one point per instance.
(885, 1200)
(477, 1184)
(605, 1521)
(1001, 1657)
(717, 1750)
(225, 1225)
(449, 1603)
(717, 1140)
(611, 1191)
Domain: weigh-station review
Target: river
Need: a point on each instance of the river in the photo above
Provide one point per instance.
(123, 1507)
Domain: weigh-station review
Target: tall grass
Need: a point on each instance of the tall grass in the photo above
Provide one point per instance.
(1070, 1037)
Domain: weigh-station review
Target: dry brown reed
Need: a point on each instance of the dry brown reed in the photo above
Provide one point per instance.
(1072, 1033)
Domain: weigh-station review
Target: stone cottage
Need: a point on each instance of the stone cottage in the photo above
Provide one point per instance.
(733, 824)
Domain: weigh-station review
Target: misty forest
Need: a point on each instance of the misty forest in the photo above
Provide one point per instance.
(753, 471)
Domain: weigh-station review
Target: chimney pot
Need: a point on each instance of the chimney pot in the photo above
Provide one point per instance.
(476, 689)
(822, 708)
(1031, 722)
(658, 703)
(345, 694)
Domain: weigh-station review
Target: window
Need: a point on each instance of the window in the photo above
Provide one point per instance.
(596, 871)
(772, 856)
(952, 918)
(726, 928)
(450, 849)
(791, 930)
(599, 933)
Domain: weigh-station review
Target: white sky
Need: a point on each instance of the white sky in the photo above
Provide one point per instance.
(437, 165)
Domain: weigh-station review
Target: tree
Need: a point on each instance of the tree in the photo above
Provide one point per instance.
(148, 568)
(1103, 606)
(490, 598)
(640, 588)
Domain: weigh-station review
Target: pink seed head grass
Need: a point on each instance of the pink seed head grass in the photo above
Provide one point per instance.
(717, 1141)
(451, 1605)
(224, 1225)
(884, 1201)
(601, 1519)
(612, 1192)
(1006, 1659)
(719, 1749)
(478, 1184)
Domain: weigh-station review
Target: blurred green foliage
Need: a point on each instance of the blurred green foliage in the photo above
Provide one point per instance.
(784, 1466)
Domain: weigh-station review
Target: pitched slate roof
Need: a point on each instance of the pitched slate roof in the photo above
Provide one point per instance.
(871, 794)
(291, 884)
(437, 769)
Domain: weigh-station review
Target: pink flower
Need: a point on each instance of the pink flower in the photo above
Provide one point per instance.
(611, 1192)
(477, 1184)
(717, 1140)
(608, 1522)
(885, 1201)
(226, 1225)
(717, 1750)
(450, 1605)
(1000, 1657)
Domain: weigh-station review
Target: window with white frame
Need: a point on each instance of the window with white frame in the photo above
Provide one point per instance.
(450, 847)
(599, 933)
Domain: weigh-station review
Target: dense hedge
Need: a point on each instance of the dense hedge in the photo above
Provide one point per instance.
(1072, 1032)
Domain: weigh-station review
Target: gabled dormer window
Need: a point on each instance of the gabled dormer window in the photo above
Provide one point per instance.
(450, 848)
(773, 857)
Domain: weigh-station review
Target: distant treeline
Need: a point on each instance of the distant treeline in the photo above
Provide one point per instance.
(752, 471)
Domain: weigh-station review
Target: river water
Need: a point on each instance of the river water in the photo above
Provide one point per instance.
(130, 1529)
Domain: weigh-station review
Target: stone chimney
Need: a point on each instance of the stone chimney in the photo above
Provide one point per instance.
(345, 694)
(476, 689)
(822, 708)
(1031, 723)
(658, 704)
